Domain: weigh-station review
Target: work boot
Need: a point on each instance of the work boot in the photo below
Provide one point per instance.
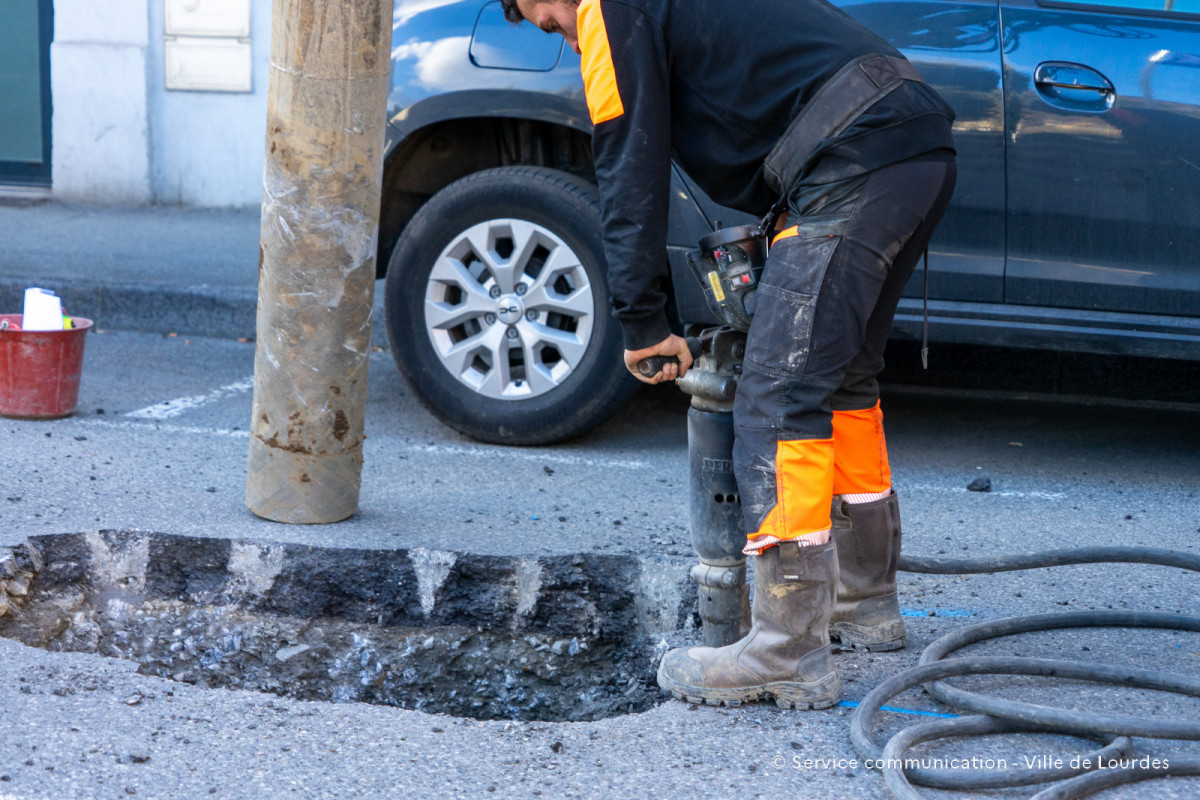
(867, 535)
(786, 654)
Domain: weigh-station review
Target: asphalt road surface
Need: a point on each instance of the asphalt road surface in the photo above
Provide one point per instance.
(160, 436)
(159, 443)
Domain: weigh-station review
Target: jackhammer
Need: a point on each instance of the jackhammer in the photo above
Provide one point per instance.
(728, 265)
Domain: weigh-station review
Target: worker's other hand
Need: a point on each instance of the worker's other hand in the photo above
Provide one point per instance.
(671, 346)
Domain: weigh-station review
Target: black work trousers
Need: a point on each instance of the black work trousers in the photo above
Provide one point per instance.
(825, 304)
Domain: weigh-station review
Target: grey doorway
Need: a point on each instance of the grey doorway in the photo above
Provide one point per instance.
(26, 30)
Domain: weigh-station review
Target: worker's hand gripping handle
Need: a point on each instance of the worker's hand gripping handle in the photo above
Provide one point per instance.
(653, 365)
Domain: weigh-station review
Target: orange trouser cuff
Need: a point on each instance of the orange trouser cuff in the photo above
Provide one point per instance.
(803, 489)
(861, 461)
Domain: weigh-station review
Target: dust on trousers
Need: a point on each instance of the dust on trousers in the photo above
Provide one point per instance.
(806, 416)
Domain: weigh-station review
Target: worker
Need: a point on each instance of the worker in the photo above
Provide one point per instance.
(766, 104)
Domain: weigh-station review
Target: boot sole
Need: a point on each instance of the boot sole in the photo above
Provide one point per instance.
(814, 695)
(872, 638)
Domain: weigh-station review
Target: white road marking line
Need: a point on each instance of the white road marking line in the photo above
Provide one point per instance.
(925, 487)
(521, 455)
(151, 426)
(181, 405)
(480, 451)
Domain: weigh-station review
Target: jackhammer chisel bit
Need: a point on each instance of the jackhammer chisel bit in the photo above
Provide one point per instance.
(714, 505)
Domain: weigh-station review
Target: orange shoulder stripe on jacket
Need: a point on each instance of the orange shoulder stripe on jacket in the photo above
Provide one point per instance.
(599, 77)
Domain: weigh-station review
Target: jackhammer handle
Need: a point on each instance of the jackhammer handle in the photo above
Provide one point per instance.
(653, 365)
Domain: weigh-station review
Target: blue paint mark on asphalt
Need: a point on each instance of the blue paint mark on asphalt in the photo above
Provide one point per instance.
(913, 711)
(920, 612)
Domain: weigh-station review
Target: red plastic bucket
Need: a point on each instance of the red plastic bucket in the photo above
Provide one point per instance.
(40, 370)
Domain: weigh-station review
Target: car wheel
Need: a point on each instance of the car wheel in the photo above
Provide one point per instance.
(496, 306)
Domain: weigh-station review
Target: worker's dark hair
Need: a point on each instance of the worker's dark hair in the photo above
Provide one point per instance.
(511, 12)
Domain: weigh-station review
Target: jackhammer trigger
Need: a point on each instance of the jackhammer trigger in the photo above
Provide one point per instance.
(654, 364)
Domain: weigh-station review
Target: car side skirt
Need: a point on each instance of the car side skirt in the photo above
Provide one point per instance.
(1104, 332)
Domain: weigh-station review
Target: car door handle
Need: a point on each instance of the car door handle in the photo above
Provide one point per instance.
(1062, 75)
(1073, 86)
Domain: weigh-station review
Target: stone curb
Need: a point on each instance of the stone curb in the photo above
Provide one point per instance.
(198, 311)
(220, 313)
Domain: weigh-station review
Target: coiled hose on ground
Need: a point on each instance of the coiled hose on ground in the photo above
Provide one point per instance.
(995, 715)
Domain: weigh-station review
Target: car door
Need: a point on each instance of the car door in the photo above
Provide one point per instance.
(1103, 126)
(955, 45)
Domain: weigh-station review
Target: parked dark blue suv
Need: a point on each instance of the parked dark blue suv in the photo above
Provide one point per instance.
(1075, 224)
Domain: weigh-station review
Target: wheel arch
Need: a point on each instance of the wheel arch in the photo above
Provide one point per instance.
(440, 139)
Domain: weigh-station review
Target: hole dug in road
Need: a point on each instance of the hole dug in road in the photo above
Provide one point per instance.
(572, 637)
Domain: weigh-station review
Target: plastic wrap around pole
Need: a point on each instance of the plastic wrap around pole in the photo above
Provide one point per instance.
(326, 114)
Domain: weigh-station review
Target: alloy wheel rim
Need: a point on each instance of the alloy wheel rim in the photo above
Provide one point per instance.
(509, 309)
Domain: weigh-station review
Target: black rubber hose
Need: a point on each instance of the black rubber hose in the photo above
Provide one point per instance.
(1093, 782)
(1009, 716)
(1044, 717)
(1051, 558)
(897, 776)
(1078, 720)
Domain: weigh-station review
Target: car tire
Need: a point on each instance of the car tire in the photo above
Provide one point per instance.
(496, 305)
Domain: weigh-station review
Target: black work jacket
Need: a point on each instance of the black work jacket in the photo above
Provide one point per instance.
(714, 84)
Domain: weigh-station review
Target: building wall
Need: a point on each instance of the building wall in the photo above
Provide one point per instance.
(121, 137)
(100, 126)
(208, 147)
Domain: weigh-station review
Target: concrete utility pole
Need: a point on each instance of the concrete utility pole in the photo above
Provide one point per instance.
(326, 112)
